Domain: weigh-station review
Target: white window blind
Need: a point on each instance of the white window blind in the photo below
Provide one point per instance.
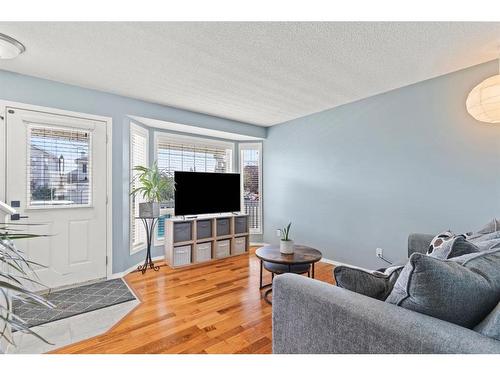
(251, 174)
(192, 154)
(139, 149)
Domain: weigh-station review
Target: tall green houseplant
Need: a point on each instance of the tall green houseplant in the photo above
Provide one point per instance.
(154, 186)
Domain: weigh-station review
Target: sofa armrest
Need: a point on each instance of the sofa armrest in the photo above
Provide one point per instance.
(311, 316)
(419, 243)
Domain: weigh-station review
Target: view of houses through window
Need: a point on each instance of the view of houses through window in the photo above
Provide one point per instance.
(59, 169)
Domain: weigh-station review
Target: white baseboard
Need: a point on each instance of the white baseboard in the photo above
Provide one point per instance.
(161, 257)
(334, 262)
(133, 268)
(258, 244)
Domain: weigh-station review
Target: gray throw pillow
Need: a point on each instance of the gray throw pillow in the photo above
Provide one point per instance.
(373, 284)
(490, 326)
(447, 245)
(461, 290)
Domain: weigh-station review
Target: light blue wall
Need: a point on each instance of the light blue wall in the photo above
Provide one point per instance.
(365, 174)
(25, 89)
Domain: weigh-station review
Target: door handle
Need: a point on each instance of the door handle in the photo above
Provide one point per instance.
(17, 217)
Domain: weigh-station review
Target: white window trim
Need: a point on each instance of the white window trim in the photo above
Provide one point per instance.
(134, 128)
(253, 146)
(194, 139)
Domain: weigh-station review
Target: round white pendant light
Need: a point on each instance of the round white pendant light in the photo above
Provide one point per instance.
(483, 102)
(9, 47)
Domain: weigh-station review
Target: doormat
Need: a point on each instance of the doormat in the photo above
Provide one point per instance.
(74, 301)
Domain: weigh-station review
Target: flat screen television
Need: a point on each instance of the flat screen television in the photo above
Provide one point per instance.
(206, 193)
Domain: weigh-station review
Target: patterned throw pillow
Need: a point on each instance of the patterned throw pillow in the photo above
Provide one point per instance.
(448, 245)
(441, 242)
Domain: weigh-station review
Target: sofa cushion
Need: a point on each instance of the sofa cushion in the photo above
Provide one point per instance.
(448, 245)
(490, 326)
(419, 243)
(461, 290)
(492, 226)
(487, 241)
(373, 284)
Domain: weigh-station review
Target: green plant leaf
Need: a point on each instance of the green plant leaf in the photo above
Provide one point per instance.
(155, 185)
(285, 232)
(22, 328)
(16, 270)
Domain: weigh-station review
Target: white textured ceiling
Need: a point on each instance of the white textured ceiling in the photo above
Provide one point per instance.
(260, 73)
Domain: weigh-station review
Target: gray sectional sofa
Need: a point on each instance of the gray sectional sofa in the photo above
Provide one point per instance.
(311, 316)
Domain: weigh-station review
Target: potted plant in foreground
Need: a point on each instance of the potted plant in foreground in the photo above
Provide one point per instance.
(17, 279)
(154, 186)
(286, 244)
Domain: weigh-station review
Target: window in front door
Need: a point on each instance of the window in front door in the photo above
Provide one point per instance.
(59, 170)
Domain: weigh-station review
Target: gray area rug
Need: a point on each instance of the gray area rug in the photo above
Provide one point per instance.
(74, 301)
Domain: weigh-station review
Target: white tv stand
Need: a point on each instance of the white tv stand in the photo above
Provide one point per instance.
(205, 238)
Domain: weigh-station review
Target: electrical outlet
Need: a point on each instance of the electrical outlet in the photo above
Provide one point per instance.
(379, 252)
(278, 232)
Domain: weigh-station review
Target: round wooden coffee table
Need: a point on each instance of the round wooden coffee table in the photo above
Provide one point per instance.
(301, 261)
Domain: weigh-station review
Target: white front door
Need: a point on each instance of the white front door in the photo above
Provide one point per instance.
(56, 174)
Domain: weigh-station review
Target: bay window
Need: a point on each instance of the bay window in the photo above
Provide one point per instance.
(190, 154)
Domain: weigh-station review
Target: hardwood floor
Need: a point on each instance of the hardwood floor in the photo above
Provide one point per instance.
(215, 308)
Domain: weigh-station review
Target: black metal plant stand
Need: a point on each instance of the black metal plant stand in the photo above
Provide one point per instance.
(149, 224)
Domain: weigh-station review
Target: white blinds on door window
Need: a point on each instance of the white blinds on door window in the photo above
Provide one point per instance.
(251, 174)
(138, 157)
(59, 170)
(191, 154)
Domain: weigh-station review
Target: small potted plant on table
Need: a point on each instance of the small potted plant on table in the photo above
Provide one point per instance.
(286, 244)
